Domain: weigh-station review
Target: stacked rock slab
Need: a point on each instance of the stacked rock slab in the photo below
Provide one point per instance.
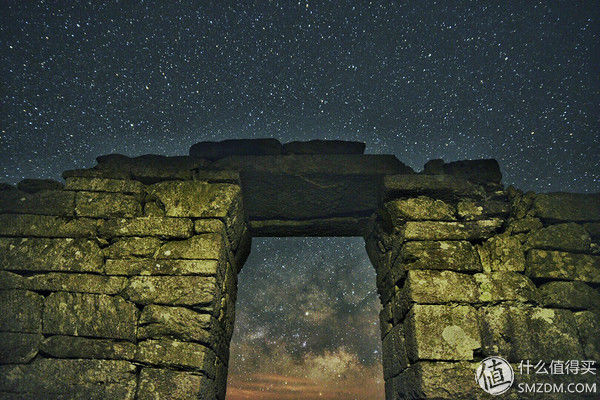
(121, 282)
(467, 269)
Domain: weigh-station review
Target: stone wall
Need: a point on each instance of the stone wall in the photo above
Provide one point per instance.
(121, 282)
(467, 270)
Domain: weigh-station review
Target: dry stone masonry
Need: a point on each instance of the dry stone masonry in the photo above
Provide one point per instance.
(121, 283)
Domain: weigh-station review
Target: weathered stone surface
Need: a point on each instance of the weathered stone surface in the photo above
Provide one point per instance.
(502, 253)
(396, 212)
(588, 325)
(81, 347)
(324, 147)
(107, 205)
(92, 315)
(92, 173)
(49, 202)
(73, 379)
(451, 255)
(104, 185)
(482, 171)
(441, 332)
(562, 265)
(443, 187)
(395, 358)
(174, 322)
(440, 230)
(147, 226)
(21, 311)
(231, 147)
(199, 247)
(529, 333)
(276, 196)
(317, 164)
(174, 353)
(434, 287)
(561, 206)
(159, 384)
(471, 209)
(575, 295)
(505, 286)
(46, 226)
(133, 247)
(217, 175)
(162, 267)
(436, 380)
(18, 347)
(50, 255)
(172, 290)
(523, 225)
(148, 168)
(67, 282)
(593, 228)
(209, 225)
(341, 226)
(566, 237)
(196, 199)
(38, 185)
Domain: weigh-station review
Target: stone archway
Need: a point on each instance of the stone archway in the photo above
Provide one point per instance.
(122, 283)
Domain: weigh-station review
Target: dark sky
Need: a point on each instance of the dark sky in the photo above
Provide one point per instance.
(516, 81)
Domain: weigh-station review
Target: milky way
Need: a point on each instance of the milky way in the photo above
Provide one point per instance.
(516, 81)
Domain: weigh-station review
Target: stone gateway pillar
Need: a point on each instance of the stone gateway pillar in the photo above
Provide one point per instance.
(121, 283)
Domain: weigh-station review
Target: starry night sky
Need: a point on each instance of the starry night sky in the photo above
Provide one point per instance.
(516, 81)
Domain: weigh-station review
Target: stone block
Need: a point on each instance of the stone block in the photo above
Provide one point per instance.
(147, 226)
(107, 205)
(565, 237)
(588, 325)
(172, 290)
(36, 254)
(440, 230)
(438, 287)
(158, 384)
(73, 379)
(441, 332)
(529, 333)
(469, 209)
(51, 202)
(174, 322)
(573, 295)
(396, 212)
(445, 187)
(324, 147)
(567, 206)
(18, 347)
(162, 267)
(505, 286)
(593, 228)
(46, 226)
(337, 226)
(196, 199)
(93, 315)
(502, 253)
(149, 168)
(21, 311)
(450, 255)
(174, 353)
(200, 247)
(104, 185)
(395, 358)
(481, 171)
(80, 347)
(523, 225)
(231, 147)
(133, 247)
(563, 265)
(66, 282)
(39, 185)
(437, 380)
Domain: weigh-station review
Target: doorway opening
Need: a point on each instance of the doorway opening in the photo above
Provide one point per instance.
(307, 322)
